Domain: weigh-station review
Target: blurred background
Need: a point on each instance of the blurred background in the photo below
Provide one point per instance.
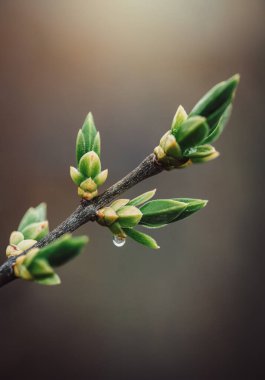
(195, 308)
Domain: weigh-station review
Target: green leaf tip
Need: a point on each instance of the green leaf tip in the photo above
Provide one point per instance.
(201, 153)
(141, 238)
(216, 100)
(33, 215)
(179, 118)
(80, 146)
(89, 131)
(142, 198)
(192, 206)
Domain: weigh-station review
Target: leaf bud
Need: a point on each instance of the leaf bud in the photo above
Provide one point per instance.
(16, 237)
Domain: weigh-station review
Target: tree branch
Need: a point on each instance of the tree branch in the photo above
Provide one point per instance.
(87, 211)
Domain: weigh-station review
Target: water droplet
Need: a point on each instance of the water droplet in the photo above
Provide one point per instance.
(118, 241)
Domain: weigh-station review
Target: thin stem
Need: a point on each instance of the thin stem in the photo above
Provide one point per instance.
(87, 211)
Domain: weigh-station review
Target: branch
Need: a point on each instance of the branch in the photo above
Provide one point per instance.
(87, 210)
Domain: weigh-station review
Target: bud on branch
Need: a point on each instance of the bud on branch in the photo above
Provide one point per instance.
(188, 140)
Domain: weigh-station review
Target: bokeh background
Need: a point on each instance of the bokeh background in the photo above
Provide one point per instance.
(194, 309)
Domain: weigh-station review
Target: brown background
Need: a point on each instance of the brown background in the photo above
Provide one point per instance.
(195, 309)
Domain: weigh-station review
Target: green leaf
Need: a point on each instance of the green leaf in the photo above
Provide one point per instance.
(96, 144)
(80, 146)
(193, 205)
(76, 176)
(219, 95)
(179, 118)
(89, 131)
(199, 151)
(42, 211)
(33, 215)
(16, 237)
(214, 118)
(129, 216)
(201, 160)
(62, 250)
(159, 212)
(90, 165)
(192, 132)
(142, 198)
(141, 238)
(36, 231)
(53, 279)
(40, 269)
(116, 229)
(171, 147)
(116, 205)
(218, 130)
(101, 177)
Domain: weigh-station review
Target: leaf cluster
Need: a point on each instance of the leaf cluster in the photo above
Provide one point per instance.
(190, 136)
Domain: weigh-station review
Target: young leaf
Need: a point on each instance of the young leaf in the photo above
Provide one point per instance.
(129, 216)
(193, 205)
(36, 231)
(142, 198)
(218, 130)
(159, 212)
(33, 215)
(116, 205)
(179, 118)
(141, 238)
(89, 131)
(199, 151)
(80, 146)
(76, 176)
(16, 237)
(90, 165)
(96, 144)
(192, 132)
(40, 269)
(214, 118)
(62, 250)
(116, 229)
(201, 160)
(53, 279)
(215, 98)
(101, 177)
(41, 211)
(170, 146)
